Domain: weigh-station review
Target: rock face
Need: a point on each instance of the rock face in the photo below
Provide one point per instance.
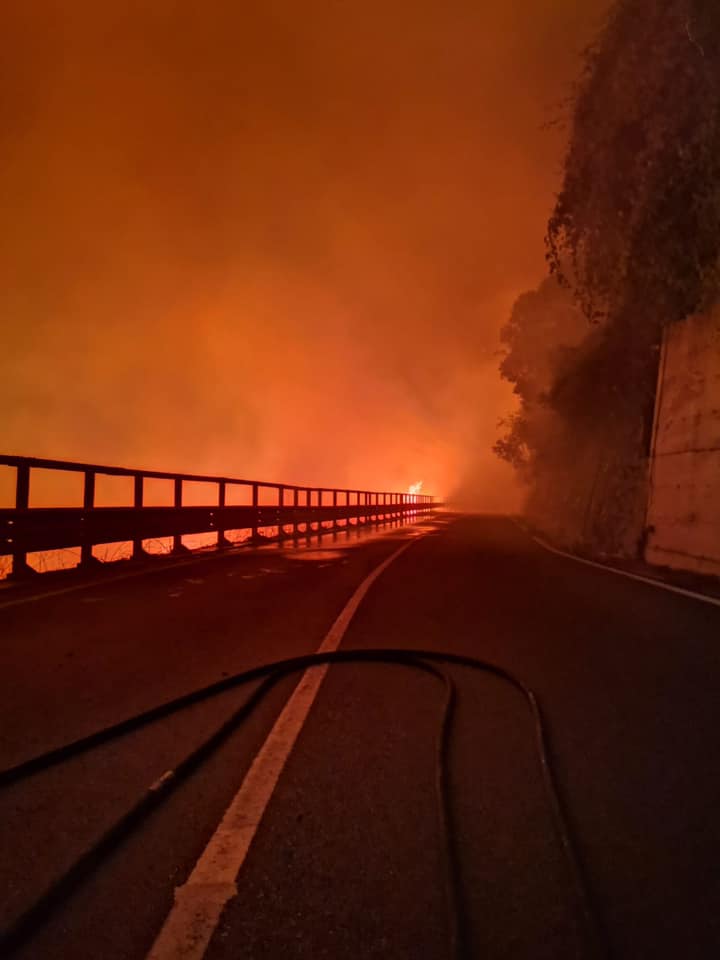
(684, 496)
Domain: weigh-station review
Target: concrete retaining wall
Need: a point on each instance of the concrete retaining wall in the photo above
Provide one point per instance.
(684, 501)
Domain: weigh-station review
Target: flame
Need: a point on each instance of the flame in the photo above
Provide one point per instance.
(415, 487)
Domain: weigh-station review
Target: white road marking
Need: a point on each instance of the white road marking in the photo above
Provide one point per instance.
(198, 905)
(161, 781)
(703, 597)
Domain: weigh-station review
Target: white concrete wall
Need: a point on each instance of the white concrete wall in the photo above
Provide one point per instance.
(684, 502)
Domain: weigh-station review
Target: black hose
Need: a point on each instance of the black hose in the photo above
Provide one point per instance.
(29, 922)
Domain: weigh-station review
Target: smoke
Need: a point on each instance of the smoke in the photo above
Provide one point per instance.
(275, 240)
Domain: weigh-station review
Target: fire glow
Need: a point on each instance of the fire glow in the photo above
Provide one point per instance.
(232, 287)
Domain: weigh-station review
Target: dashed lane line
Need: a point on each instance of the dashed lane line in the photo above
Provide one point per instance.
(187, 930)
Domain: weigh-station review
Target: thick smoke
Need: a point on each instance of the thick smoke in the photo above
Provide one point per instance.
(275, 240)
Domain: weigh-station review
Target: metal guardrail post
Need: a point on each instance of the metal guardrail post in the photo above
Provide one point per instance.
(222, 540)
(86, 554)
(20, 566)
(178, 546)
(255, 502)
(335, 516)
(138, 550)
(281, 504)
(296, 501)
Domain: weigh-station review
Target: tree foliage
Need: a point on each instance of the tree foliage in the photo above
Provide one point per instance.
(543, 324)
(636, 227)
(515, 444)
(539, 339)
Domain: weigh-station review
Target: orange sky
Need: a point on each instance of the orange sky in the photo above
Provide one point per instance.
(275, 239)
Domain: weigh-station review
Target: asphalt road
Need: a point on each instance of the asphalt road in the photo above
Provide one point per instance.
(347, 861)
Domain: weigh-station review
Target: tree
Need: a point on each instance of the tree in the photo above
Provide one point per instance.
(542, 324)
(636, 227)
(513, 445)
(635, 232)
(544, 327)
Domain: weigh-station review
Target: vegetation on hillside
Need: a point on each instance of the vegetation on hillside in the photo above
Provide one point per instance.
(635, 234)
(636, 228)
(545, 326)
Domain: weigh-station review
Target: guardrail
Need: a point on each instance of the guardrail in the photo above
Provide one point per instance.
(25, 529)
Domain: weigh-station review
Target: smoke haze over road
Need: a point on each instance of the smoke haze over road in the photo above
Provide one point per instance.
(275, 239)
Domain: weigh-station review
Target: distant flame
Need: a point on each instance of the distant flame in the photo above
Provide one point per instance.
(415, 487)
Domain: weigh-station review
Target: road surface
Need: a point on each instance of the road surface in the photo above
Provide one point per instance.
(347, 858)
